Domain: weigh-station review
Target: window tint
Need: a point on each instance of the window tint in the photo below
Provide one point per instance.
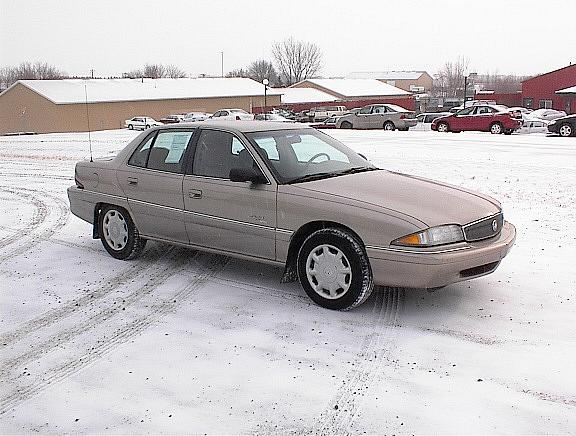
(167, 154)
(467, 111)
(217, 153)
(379, 110)
(365, 110)
(140, 156)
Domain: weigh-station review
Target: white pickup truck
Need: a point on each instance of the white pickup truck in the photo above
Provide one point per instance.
(322, 112)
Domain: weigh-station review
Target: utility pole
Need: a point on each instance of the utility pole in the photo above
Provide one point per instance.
(92, 73)
(222, 63)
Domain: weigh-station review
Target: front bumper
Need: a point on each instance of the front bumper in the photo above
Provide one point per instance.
(425, 269)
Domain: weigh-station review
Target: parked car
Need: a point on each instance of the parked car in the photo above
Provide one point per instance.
(565, 126)
(289, 195)
(232, 114)
(328, 123)
(378, 116)
(485, 118)
(469, 103)
(172, 119)
(196, 116)
(428, 117)
(547, 114)
(322, 112)
(272, 117)
(142, 123)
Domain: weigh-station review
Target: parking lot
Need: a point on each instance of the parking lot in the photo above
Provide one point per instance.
(181, 341)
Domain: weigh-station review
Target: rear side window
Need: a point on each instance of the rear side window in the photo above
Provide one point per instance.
(140, 156)
(163, 152)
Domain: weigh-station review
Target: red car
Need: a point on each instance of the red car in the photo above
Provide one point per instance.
(484, 118)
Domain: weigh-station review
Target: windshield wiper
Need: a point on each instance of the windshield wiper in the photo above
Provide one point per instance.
(326, 175)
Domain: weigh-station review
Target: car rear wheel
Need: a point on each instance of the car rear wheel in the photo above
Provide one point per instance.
(130, 127)
(389, 125)
(442, 127)
(346, 125)
(334, 270)
(565, 130)
(496, 128)
(147, 126)
(118, 233)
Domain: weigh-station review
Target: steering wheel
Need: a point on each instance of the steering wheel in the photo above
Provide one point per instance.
(314, 157)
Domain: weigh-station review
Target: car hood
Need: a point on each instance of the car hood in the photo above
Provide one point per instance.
(432, 203)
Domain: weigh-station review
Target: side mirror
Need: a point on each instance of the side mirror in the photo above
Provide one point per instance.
(247, 175)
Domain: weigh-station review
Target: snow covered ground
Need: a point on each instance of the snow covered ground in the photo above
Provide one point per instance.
(185, 342)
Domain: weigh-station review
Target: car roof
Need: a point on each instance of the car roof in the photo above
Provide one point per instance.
(239, 126)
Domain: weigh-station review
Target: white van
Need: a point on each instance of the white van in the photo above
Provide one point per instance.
(322, 112)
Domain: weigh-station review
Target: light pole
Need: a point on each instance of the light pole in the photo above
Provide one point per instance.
(471, 76)
(222, 63)
(265, 83)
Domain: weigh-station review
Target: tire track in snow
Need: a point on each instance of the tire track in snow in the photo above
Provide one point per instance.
(109, 341)
(38, 217)
(341, 412)
(55, 210)
(89, 299)
(176, 259)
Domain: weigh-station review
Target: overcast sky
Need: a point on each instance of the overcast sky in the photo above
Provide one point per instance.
(505, 36)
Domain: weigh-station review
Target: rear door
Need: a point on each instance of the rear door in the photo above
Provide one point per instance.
(152, 180)
(237, 217)
(378, 117)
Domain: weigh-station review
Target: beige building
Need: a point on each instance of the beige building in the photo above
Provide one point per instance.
(353, 89)
(44, 106)
(413, 81)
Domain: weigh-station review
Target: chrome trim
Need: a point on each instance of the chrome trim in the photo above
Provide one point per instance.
(481, 219)
(228, 220)
(105, 195)
(403, 250)
(161, 206)
(286, 232)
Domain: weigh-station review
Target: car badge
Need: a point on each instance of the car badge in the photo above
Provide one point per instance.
(494, 225)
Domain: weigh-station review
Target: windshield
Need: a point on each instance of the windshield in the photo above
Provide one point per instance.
(306, 154)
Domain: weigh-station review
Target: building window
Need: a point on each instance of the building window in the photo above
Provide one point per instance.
(528, 102)
(545, 104)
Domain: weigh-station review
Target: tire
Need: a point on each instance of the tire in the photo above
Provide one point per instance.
(389, 125)
(565, 130)
(118, 233)
(130, 127)
(353, 283)
(443, 127)
(346, 125)
(147, 126)
(496, 128)
(508, 132)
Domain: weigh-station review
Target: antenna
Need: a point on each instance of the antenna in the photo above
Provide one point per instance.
(88, 120)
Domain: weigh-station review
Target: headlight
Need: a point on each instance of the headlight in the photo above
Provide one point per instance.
(551, 123)
(440, 235)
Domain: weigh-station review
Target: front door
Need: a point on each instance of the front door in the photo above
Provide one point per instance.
(363, 116)
(152, 181)
(238, 217)
(462, 120)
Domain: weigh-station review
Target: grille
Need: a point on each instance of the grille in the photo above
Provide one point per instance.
(484, 228)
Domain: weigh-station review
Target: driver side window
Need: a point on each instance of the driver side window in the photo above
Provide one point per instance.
(365, 110)
(310, 146)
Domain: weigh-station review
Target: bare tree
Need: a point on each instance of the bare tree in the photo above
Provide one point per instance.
(260, 70)
(156, 71)
(28, 71)
(501, 83)
(240, 72)
(174, 72)
(449, 81)
(296, 60)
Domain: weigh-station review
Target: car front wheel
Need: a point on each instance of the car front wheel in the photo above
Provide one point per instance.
(565, 130)
(442, 127)
(130, 127)
(118, 233)
(334, 270)
(346, 125)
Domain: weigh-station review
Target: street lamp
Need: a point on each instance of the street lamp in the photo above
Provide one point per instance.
(471, 76)
(265, 83)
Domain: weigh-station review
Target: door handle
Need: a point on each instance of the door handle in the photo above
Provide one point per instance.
(195, 193)
(132, 180)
